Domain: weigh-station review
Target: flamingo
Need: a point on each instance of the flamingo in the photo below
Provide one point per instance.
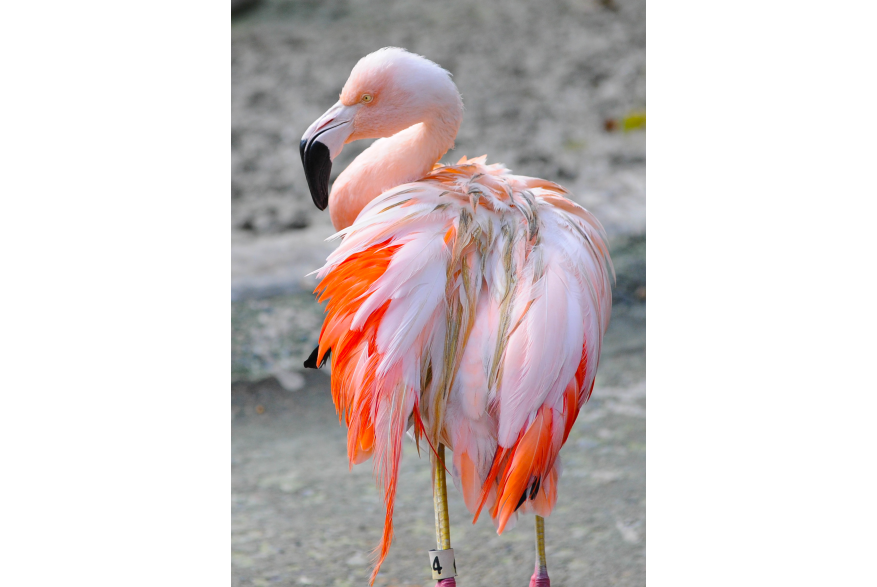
(465, 305)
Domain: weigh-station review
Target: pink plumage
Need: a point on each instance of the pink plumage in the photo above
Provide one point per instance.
(464, 301)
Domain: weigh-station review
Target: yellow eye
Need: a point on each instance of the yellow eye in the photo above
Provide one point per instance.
(366, 98)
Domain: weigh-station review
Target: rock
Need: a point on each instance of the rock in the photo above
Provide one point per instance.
(290, 380)
(273, 337)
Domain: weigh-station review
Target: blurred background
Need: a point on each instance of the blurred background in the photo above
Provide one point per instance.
(555, 90)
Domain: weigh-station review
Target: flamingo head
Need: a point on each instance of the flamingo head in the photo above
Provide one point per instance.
(387, 91)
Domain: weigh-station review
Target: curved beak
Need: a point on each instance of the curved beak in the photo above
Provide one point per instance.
(319, 146)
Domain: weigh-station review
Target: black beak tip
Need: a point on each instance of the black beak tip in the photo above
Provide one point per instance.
(318, 165)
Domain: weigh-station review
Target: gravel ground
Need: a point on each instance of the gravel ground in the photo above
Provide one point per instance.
(299, 517)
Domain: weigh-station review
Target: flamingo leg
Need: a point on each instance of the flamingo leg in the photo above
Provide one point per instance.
(442, 523)
(540, 575)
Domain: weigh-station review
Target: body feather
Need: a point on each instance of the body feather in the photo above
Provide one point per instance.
(477, 299)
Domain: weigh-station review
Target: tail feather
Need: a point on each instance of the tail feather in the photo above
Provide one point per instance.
(470, 481)
(490, 479)
(392, 417)
(531, 458)
(546, 497)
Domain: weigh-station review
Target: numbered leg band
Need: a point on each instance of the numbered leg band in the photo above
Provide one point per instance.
(442, 563)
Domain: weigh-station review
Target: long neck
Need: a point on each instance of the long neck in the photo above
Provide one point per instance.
(402, 158)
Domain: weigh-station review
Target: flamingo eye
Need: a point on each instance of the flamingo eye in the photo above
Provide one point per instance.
(366, 98)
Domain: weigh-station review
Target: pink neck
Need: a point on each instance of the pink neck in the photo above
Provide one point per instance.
(402, 158)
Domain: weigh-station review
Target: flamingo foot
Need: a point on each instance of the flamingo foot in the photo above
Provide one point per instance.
(448, 582)
(540, 578)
